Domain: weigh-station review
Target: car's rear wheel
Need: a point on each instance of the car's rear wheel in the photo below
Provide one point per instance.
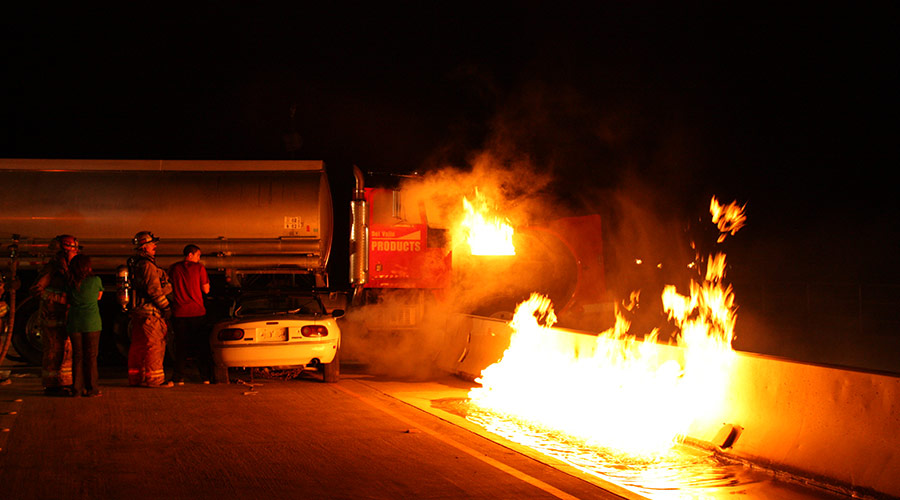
(331, 372)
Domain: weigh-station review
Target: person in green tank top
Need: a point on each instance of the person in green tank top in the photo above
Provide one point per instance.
(84, 325)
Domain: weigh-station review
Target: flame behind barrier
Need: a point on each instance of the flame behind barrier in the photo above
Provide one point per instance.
(484, 233)
(621, 392)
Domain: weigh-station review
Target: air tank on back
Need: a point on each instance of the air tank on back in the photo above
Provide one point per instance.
(244, 215)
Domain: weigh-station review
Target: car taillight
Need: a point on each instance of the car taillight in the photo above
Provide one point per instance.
(231, 334)
(314, 331)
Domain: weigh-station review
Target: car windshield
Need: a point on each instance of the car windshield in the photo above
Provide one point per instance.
(278, 304)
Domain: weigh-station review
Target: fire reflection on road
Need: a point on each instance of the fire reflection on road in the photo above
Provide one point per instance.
(681, 473)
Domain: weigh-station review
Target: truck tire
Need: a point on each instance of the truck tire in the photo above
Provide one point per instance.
(111, 353)
(122, 335)
(331, 372)
(221, 374)
(26, 338)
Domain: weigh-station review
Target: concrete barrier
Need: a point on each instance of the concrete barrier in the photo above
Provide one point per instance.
(829, 424)
(486, 339)
(833, 426)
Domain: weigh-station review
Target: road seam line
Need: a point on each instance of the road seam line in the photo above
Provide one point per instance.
(465, 449)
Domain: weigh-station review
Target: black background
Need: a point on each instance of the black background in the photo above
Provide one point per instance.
(791, 110)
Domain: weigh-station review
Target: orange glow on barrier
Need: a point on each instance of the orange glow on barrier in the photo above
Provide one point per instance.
(616, 390)
(485, 234)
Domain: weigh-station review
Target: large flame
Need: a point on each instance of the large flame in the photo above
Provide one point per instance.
(619, 392)
(484, 233)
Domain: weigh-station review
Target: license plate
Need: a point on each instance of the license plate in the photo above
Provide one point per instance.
(272, 334)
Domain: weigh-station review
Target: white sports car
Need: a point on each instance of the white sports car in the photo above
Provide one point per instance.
(278, 328)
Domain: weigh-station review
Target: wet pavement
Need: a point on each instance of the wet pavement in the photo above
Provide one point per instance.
(262, 439)
(365, 437)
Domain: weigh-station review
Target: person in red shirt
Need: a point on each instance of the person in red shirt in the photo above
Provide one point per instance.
(190, 282)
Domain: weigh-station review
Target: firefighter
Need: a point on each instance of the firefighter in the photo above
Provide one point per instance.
(4, 309)
(148, 316)
(56, 364)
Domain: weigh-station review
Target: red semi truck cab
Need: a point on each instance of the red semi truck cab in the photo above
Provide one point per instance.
(404, 251)
(403, 263)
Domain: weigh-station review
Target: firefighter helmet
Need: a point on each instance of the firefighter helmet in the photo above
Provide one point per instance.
(142, 238)
(63, 242)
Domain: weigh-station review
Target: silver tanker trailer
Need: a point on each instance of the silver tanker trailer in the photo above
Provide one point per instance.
(249, 218)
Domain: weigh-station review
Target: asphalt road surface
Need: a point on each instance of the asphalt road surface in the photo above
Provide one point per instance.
(273, 439)
(365, 437)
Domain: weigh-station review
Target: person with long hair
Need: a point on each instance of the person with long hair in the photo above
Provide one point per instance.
(84, 325)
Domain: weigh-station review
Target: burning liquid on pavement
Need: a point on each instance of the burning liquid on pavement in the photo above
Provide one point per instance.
(682, 472)
(630, 398)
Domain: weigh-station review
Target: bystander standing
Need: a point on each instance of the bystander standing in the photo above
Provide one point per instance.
(189, 283)
(84, 325)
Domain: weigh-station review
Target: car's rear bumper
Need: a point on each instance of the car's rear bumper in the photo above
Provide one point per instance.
(274, 354)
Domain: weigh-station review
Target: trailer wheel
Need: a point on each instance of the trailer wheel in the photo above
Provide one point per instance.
(27, 333)
(221, 374)
(122, 334)
(331, 372)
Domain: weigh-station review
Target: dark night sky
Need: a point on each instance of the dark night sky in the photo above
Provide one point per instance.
(792, 110)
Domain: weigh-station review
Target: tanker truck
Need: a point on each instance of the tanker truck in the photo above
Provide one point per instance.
(403, 259)
(258, 219)
(251, 219)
